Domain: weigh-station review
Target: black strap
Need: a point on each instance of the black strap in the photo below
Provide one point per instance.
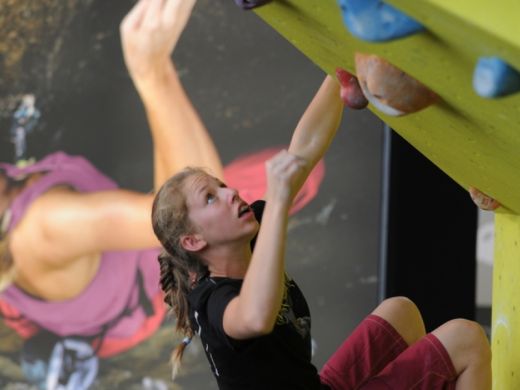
(143, 301)
(146, 303)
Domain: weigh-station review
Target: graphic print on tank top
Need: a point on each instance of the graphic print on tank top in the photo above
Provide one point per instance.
(287, 315)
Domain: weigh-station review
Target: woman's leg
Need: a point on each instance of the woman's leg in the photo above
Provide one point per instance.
(454, 356)
(469, 350)
(404, 316)
(378, 340)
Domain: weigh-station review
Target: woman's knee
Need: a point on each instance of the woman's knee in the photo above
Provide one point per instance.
(466, 332)
(404, 316)
(465, 341)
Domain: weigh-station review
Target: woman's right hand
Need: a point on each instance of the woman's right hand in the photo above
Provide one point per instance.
(149, 34)
(286, 174)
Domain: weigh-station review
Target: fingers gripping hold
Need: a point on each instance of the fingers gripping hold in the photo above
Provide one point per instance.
(285, 175)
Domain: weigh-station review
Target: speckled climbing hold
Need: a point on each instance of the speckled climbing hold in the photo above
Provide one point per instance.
(494, 77)
(482, 200)
(250, 4)
(389, 89)
(376, 21)
(350, 92)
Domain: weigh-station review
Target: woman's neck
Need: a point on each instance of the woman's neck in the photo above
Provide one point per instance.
(229, 261)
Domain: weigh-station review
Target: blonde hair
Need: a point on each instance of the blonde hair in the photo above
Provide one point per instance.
(179, 269)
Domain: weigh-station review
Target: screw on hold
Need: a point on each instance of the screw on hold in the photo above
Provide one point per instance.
(483, 201)
(376, 21)
(389, 89)
(250, 4)
(494, 77)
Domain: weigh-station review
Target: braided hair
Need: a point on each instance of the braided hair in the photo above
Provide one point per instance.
(179, 269)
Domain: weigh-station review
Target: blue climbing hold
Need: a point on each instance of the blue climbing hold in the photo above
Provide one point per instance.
(249, 4)
(376, 21)
(494, 77)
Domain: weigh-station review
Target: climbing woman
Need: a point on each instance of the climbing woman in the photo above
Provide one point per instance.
(223, 273)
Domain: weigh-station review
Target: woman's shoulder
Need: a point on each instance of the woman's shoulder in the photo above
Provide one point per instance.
(209, 286)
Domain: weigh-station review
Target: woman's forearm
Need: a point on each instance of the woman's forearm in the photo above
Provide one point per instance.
(263, 287)
(318, 125)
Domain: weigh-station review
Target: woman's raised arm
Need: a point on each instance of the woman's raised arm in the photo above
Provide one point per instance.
(318, 124)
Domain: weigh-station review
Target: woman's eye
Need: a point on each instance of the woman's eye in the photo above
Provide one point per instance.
(210, 198)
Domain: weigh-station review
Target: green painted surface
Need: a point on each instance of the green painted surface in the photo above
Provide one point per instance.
(474, 140)
(506, 307)
(494, 17)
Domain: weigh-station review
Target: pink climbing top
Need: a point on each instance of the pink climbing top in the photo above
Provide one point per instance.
(114, 287)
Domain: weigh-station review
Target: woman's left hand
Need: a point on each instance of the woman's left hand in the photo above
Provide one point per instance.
(286, 173)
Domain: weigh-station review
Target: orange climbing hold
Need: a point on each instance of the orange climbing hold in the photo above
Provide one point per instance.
(482, 200)
(389, 89)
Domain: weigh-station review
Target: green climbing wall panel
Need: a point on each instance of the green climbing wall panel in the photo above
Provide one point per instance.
(474, 140)
(506, 307)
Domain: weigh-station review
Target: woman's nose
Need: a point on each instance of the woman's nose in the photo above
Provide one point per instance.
(232, 195)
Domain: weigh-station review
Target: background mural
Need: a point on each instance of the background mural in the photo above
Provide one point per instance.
(250, 87)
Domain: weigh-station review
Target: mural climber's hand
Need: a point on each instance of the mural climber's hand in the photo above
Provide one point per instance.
(149, 34)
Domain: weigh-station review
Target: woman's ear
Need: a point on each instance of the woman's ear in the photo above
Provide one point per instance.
(193, 242)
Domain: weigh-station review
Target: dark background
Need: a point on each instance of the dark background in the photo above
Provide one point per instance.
(250, 87)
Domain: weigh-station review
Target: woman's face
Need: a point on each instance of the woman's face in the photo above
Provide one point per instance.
(218, 212)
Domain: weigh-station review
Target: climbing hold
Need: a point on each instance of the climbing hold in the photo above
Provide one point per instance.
(250, 4)
(376, 21)
(350, 92)
(389, 89)
(494, 77)
(482, 200)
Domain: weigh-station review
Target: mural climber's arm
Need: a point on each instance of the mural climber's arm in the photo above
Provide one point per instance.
(150, 32)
